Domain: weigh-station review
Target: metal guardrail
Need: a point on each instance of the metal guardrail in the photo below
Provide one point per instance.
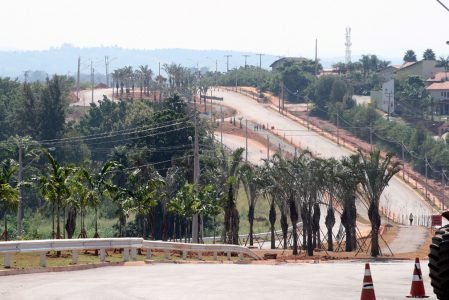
(198, 248)
(129, 246)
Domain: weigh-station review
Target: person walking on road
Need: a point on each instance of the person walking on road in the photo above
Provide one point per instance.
(411, 219)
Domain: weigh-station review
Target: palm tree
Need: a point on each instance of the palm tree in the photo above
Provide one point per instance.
(251, 183)
(174, 180)
(145, 193)
(230, 167)
(98, 184)
(377, 175)
(348, 177)
(186, 204)
(443, 63)
(55, 188)
(9, 195)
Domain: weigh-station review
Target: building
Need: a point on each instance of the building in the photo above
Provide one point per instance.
(384, 98)
(438, 77)
(422, 68)
(440, 94)
(280, 62)
(389, 72)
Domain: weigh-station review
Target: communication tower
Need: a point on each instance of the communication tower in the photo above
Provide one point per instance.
(348, 45)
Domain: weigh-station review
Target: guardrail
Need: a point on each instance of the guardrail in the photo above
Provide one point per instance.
(197, 248)
(129, 246)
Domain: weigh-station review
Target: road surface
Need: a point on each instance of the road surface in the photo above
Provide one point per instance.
(86, 96)
(216, 281)
(398, 197)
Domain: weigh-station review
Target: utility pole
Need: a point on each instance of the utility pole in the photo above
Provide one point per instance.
(403, 159)
(388, 94)
(443, 182)
(268, 147)
(338, 125)
(78, 79)
(221, 126)
(425, 158)
(316, 57)
(20, 208)
(260, 59)
(246, 140)
(92, 79)
(106, 64)
(227, 62)
(246, 56)
(196, 173)
(371, 136)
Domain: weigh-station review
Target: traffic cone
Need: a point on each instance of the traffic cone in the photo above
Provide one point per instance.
(417, 290)
(368, 286)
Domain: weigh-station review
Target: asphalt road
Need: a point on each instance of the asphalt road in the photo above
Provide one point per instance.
(398, 197)
(216, 281)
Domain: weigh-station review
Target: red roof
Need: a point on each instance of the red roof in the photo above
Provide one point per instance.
(439, 86)
(439, 77)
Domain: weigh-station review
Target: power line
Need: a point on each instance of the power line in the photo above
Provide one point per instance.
(116, 133)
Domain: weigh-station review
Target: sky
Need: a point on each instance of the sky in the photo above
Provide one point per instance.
(282, 27)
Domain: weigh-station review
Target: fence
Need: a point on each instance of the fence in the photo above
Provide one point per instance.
(129, 246)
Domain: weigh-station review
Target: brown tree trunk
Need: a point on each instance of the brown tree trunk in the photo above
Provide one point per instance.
(251, 223)
(294, 220)
(284, 227)
(374, 217)
(272, 218)
(330, 222)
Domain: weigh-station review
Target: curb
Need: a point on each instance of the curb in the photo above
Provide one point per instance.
(59, 269)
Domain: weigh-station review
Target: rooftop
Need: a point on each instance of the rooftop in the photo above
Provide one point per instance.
(439, 77)
(438, 86)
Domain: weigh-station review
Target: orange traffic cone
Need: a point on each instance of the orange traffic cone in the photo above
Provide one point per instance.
(368, 286)
(417, 290)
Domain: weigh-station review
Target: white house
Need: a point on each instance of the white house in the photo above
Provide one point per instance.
(440, 94)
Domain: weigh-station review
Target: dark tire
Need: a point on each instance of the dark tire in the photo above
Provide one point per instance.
(439, 263)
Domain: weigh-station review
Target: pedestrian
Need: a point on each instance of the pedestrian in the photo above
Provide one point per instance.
(411, 219)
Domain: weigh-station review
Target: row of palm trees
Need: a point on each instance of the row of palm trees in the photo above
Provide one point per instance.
(125, 80)
(298, 188)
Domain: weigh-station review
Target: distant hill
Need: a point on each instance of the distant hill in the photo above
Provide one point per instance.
(63, 60)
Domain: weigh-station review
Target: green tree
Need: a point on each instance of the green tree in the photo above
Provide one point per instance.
(9, 194)
(52, 109)
(251, 183)
(443, 63)
(377, 173)
(55, 188)
(429, 55)
(410, 56)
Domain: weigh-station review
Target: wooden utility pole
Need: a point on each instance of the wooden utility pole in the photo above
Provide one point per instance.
(268, 147)
(246, 140)
(221, 126)
(260, 59)
(20, 208)
(78, 79)
(316, 57)
(92, 79)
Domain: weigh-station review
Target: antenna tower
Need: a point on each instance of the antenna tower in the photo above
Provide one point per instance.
(348, 45)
